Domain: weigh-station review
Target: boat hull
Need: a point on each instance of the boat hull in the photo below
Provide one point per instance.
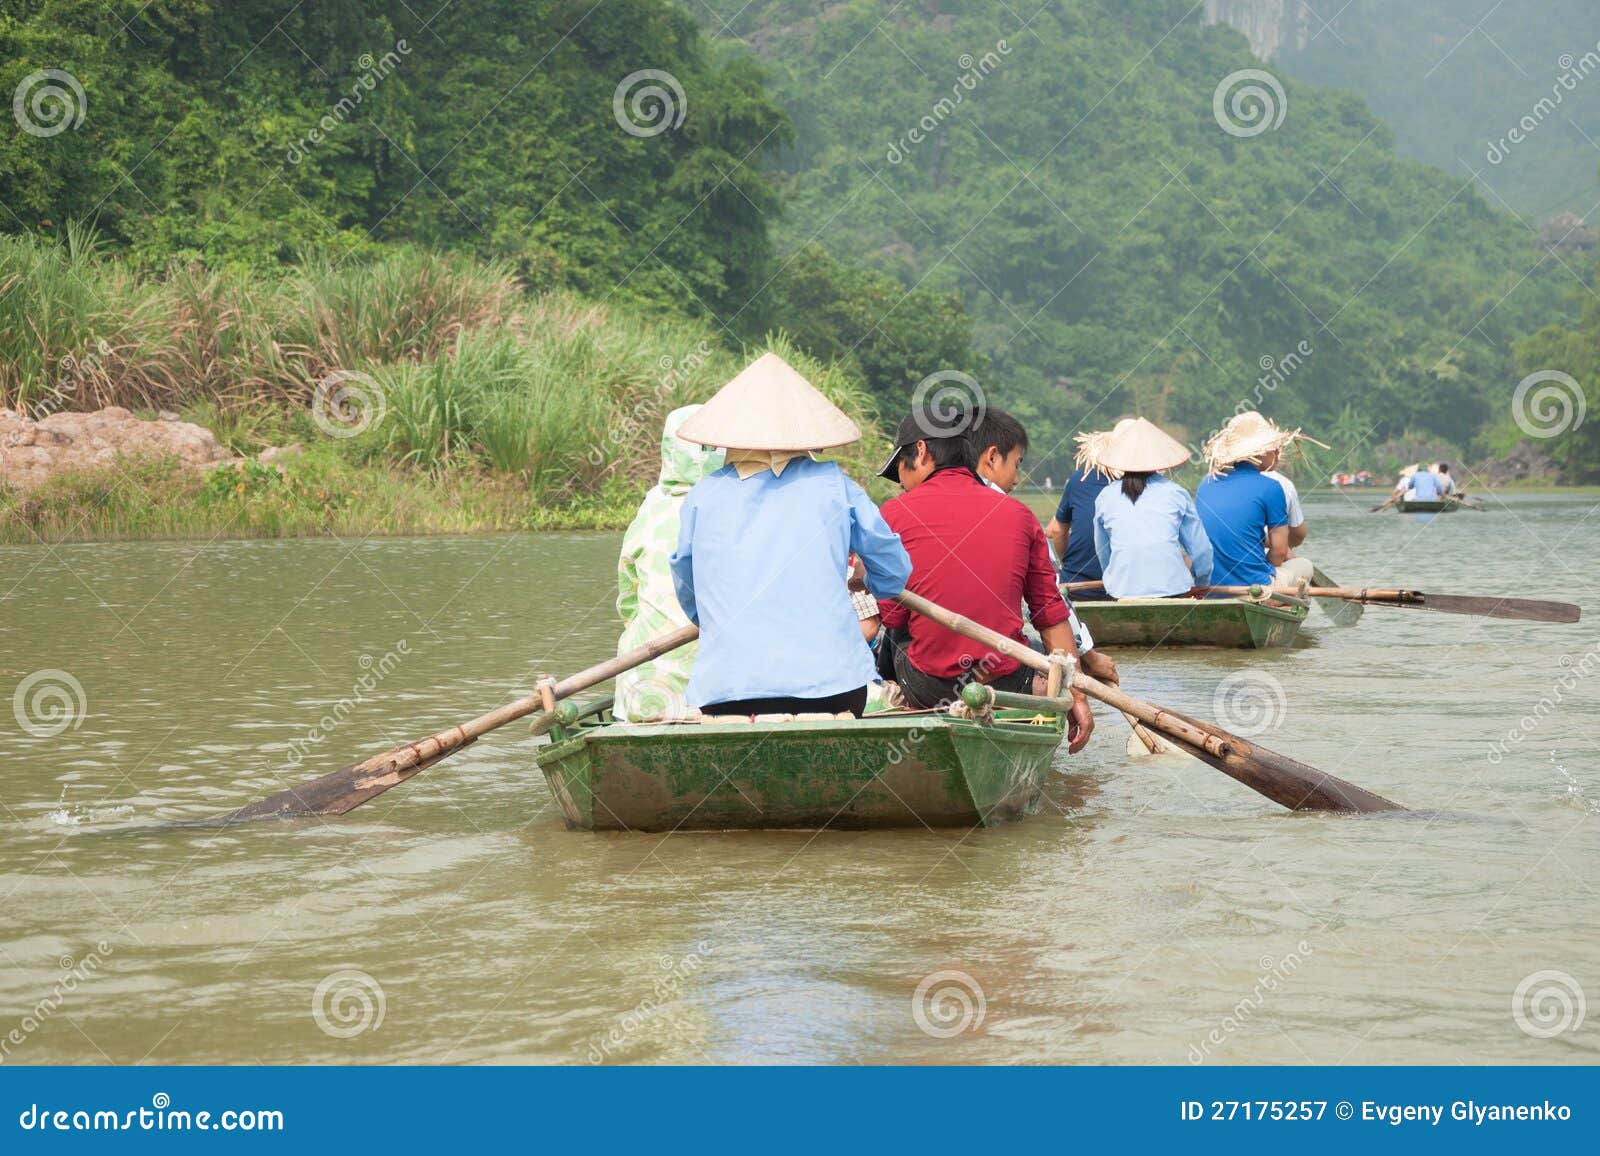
(886, 771)
(1232, 623)
(1427, 507)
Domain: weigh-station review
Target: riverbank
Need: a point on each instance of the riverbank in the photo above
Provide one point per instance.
(424, 393)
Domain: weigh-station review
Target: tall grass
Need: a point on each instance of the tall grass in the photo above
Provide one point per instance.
(560, 399)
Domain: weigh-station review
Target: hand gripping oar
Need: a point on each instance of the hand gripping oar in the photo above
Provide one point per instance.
(1521, 609)
(347, 788)
(1283, 780)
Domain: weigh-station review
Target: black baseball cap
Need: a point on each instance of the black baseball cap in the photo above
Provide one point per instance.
(924, 424)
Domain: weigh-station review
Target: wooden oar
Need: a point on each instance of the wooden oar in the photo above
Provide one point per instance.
(1393, 498)
(1283, 780)
(1521, 609)
(1340, 612)
(347, 788)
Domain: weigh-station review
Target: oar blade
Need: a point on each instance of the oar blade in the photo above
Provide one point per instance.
(1521, 609)
(1286, 781)
(1340, 611)
(336, 792)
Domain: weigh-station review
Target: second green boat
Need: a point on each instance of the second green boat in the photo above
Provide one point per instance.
(1236, 623)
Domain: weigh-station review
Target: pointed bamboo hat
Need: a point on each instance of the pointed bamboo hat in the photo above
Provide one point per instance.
(769, 406)
(1249, 435)
(1133, 445)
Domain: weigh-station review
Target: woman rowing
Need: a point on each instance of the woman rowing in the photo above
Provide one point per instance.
(1147, 535)
(763, 548)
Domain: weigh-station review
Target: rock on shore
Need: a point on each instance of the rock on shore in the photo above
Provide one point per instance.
(31, 451)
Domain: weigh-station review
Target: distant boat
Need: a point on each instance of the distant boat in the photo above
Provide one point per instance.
(1234, 623)
(1409, 507)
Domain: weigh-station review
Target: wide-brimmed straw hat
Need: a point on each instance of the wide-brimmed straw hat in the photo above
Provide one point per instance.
(1249, 435)
(1132, 446)
(769, 406)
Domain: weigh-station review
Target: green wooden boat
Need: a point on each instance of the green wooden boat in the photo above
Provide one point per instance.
(1219, 622)
(1406, 507)
(884, 770)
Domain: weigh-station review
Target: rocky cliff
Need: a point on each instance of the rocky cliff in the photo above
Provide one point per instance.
(1271, 25)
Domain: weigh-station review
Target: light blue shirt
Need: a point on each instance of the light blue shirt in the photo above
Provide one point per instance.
(760, 568)
(1141, 544)
(1423, 487)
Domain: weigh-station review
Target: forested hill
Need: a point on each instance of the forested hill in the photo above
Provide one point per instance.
(1122, 248)
(1455, 78)
(249, 130)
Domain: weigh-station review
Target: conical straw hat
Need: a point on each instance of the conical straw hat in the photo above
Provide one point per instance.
(1249, 435)
(769, 406)
(1134, 445)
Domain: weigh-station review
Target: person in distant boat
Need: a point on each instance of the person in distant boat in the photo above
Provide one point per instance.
(1147, 535)
(1002, 443)
(1245, 513)
(1404, 484)
(974, 551)
(1423, 487)
(763, 548)
(645, 595)
(1075, 551)
(1447, 484)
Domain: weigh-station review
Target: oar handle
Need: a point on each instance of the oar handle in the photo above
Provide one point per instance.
(420, 751)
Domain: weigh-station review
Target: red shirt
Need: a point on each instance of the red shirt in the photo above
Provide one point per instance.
(979, 553)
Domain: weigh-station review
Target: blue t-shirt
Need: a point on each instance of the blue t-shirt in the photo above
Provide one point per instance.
(1423, 487)
(1237, 509)
(1076, 512)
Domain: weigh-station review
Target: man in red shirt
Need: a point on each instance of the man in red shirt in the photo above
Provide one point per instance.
(974, 551)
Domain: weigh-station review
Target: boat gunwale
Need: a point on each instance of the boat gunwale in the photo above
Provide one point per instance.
(1271, 609)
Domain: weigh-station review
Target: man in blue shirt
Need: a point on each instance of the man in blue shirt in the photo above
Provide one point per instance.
(1245, 513)
(1423, 487)
(1071, 532)
(763, 545)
